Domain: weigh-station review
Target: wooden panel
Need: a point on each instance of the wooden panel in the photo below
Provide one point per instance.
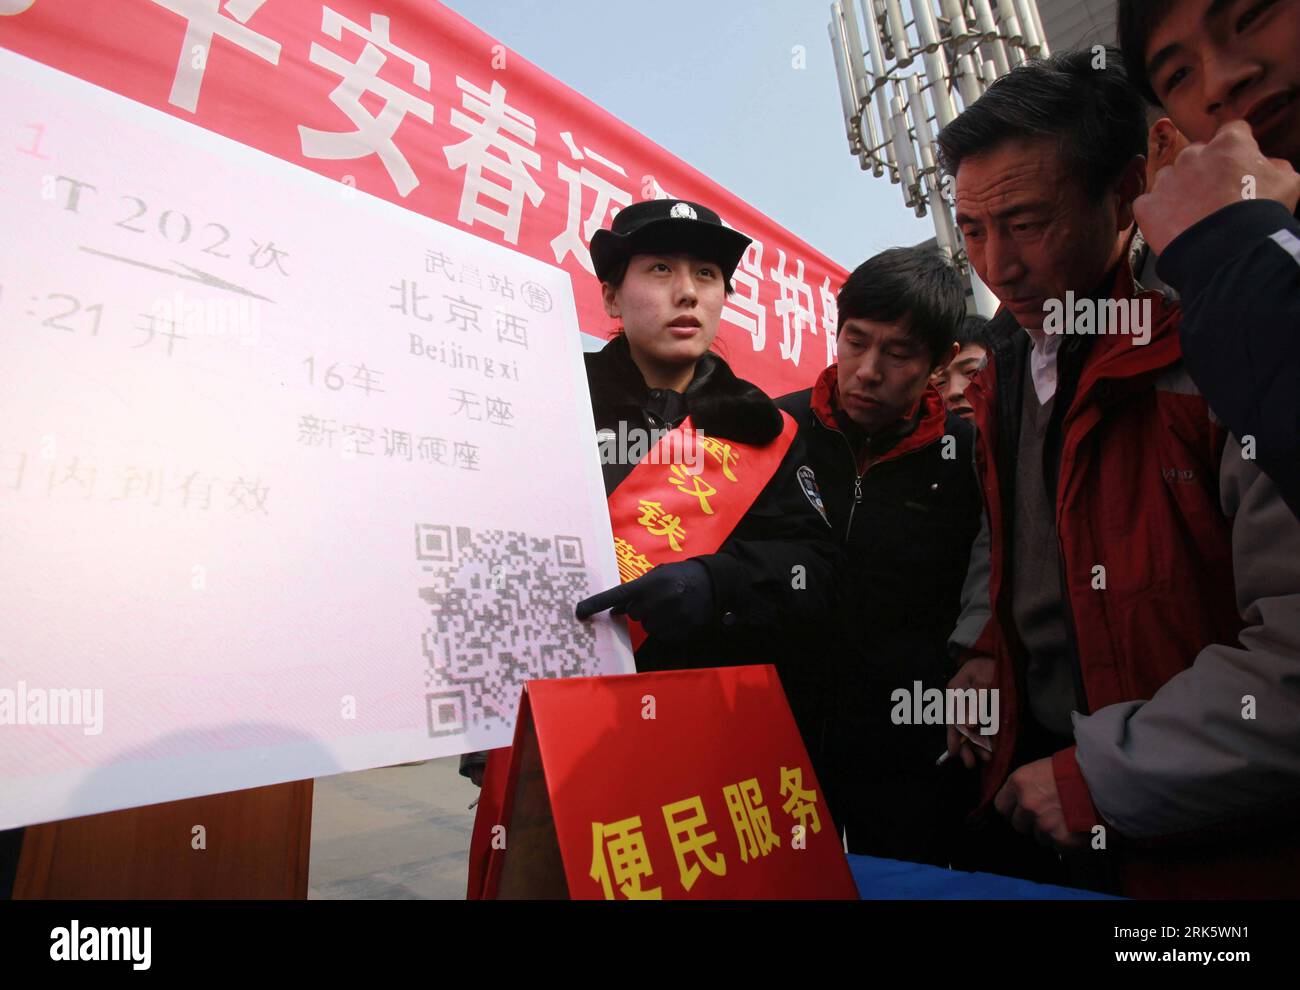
(531, 864)
(258, 843)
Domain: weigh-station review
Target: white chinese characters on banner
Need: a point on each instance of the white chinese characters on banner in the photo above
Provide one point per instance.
(499, 161)
(509, 132)
(374, 134)
(576, 237)
(744, 308)
(204, 20)
(794, 307)
(830, 318)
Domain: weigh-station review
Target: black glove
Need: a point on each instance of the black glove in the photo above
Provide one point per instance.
(671, 602)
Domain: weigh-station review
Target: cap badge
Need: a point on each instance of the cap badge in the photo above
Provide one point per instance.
(682, 211)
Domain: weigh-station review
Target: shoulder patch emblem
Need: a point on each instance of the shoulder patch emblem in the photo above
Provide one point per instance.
(808, 482)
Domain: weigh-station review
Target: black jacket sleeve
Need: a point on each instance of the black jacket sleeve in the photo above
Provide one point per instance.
(468, 761)
(777, 570)
(1238, 272)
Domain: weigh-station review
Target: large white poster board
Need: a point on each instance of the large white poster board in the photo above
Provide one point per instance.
(292, 481)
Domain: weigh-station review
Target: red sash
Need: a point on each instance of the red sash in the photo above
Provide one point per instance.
(664, 511)
(685, 497)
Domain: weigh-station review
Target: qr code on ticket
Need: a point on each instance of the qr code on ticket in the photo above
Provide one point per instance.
(501, 613)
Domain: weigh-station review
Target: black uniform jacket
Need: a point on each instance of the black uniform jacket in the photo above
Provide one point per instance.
(774, 576)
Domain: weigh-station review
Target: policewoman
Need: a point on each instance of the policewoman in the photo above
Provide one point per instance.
(726, 558)
(724, 552)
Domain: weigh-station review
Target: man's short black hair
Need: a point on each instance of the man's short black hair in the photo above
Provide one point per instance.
(973, 330)
(1095, 112)
(917, 287)
(1135, 21)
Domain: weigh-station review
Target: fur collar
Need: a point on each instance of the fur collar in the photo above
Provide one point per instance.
(718, 402)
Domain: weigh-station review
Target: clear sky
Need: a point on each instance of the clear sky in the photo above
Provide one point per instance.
(715, 83)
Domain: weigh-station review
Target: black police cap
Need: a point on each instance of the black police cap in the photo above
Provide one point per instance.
(667, 226)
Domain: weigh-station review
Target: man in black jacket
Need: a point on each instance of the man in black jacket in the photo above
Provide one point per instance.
(896, 473)
(1222, 219)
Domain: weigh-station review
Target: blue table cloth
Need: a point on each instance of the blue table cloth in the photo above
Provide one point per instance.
(892, 880)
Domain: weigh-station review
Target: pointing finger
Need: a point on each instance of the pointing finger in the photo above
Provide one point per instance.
(588, 607)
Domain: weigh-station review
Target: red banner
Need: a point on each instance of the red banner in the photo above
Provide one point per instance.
(689, 784)
(410, 102)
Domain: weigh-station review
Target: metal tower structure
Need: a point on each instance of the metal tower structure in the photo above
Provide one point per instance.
(923, 59)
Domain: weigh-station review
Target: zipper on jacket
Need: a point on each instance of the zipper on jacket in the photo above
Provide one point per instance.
(857, 486)
(857, 500)
(857, 478)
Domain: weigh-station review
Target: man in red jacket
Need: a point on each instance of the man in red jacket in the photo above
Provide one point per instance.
(1134, 596)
